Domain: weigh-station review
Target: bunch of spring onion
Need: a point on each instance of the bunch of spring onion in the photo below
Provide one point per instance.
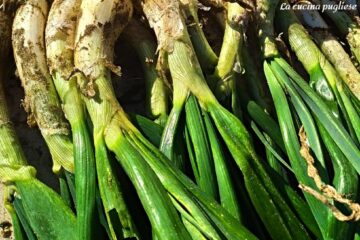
(159, 204)
(161, 187)
(232, 147)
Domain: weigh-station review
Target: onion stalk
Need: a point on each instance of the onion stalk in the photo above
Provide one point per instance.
(207, 57)
(156, 99)
(41, 100)
(90, 54)
(225, 80)
(60, 36)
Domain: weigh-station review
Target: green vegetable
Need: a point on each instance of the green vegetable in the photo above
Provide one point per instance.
(111, 191)
(156, 99)
(223, 79)
(228, 198)
(207, 57)
(203, 164)
(60, 61)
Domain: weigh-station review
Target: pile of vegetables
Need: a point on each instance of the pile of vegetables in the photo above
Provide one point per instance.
(250, 127)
